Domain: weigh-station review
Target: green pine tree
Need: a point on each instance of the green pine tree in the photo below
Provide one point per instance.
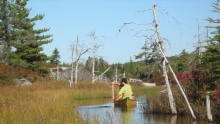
(182, 62)
(210, 65)
(103, 64)
(54, 59)
(88, 64)
(26, 40)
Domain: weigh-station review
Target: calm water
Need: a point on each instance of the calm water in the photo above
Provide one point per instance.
(103, 112)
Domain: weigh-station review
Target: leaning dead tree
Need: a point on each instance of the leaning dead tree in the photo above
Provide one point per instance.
(163, 50)
(160, 44)
(165, 61)
(99, 77)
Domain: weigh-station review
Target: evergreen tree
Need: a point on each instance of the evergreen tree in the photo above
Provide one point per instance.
(131, 68)
(210, 65)
(26, 41)
(152, 57)
(54, 59)
(88, 64)
(182, 62)
(103, 64)
(150, 53)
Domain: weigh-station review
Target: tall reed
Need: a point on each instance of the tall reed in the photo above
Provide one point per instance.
(51, 102)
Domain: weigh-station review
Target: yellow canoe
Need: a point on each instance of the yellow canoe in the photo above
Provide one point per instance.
(125, 102)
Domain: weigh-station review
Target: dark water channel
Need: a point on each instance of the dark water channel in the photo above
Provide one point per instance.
(103, 112)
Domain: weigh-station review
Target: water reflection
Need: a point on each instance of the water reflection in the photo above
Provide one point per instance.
(123, 115)
(96, 113)
(105, 113)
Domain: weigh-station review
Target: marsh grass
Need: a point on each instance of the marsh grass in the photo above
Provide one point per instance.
(52, 102)
(148, 91)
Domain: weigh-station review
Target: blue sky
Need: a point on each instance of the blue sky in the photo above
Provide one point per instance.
(68, 19)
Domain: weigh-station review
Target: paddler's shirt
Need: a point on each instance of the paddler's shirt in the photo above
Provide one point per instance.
(126, 91)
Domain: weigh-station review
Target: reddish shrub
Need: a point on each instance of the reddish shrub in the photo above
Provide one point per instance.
(217, 95)
(9, 73)
(216, 102)
(183, 77)
(158, 78)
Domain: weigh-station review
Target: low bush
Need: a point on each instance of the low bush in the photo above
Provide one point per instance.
(8, 74)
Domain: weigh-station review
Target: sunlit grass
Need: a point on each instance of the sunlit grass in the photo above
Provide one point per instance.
(40, 103)
(148, 91)
(53, 102)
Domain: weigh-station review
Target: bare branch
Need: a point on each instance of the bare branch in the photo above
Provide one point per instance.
(169, 14)
(143, 31)
(133, 23)
(80, 54)
(212, 26)
(144, 10)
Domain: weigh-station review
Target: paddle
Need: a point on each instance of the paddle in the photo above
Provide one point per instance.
(113, 115)
(112, 94)
(116, 76)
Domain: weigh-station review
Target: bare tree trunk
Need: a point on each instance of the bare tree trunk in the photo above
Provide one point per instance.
(209, 114)
(77, 59)
(79, 53)
(93, 68)
(76, 73)
(162, 49)
(187, 102)
(94, 56)
(72, 49)
(169, 92)
(94, 49)
(199, 43)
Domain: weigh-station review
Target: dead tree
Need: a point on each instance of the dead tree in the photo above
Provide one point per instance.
(72, 65)
(165, 61)
(94, 50)
(100, 76)
(79, 53)
(160, 41)
(199, 44)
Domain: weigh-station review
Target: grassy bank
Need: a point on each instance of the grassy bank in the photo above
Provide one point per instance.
(40, 103)
(140, 90)
(51, 102)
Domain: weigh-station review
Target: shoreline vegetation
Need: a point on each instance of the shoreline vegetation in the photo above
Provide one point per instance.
(54, 102)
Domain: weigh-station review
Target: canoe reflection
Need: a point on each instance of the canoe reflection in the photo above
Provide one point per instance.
(124, 114)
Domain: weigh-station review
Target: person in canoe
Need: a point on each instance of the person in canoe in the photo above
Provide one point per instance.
(125, 90)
